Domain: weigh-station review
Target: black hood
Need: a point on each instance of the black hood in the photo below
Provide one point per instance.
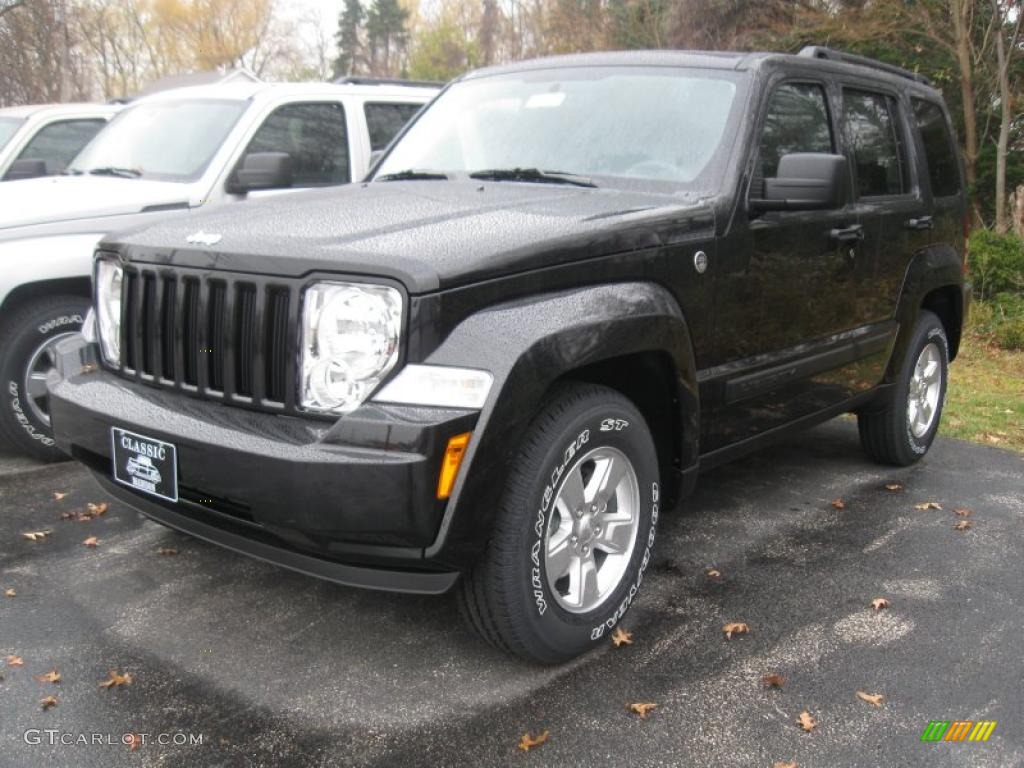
(429, 235)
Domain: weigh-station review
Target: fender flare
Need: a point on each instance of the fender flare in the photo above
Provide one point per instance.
(939, 266)
(528, 345)
(45, 259)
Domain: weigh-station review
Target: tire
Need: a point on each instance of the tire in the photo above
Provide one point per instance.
(26, 335)
(890, 433)
(582, 432)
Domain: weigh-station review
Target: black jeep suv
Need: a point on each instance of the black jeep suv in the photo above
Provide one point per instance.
(569, 286)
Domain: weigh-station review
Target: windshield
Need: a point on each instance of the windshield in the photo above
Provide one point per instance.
(165, 140)
(599, 123)
(8, 125)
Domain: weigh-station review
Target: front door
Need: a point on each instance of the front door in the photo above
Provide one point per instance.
(793, 287)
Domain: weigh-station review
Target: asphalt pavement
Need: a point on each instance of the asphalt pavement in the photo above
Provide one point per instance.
(269, 668)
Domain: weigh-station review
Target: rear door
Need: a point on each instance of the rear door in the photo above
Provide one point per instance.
(895, 211)
(943, 176)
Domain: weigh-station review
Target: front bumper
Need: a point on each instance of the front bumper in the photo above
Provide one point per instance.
(353, 503)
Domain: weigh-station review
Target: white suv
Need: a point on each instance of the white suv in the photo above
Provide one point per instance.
(40, 140)
(164, 155)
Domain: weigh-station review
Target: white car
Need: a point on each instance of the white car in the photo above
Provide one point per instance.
(40, 140)
(165, 155)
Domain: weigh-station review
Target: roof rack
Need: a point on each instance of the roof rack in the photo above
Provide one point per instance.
(365, 80)
(820, 52)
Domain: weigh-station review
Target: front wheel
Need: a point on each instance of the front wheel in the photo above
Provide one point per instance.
(28, 338)
(574, 530)
(901, 428)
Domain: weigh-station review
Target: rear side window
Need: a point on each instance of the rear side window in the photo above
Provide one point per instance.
(316, 138)
(796, 121)
(385, 120)
(943, 169)
(880, 163)
(59, 142)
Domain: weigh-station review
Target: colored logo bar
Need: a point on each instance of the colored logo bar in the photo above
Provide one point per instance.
(958, 730)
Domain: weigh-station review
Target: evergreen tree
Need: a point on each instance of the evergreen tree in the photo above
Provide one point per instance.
(349, 28)
(386, 36)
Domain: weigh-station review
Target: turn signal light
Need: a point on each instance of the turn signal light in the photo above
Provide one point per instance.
(450, 466)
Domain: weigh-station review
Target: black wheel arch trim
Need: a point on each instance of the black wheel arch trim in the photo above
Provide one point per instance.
(934, 268)
(528, 345)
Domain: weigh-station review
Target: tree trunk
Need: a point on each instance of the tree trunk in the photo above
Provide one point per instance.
(1018, 212)
(1003, 57)
(960, 12)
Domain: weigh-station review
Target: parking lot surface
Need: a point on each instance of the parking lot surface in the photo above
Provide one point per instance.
(272, 668)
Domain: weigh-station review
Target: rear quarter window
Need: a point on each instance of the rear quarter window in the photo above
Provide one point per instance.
(943, 168)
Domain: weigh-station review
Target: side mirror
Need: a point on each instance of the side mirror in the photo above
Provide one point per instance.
(806, 181)
(263, 170)
(25, 169)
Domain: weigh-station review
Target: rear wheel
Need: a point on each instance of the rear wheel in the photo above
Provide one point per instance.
(28, 337)
(574, 530)
(901, 428)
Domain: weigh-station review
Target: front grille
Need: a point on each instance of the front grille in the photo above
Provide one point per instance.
(214, 335)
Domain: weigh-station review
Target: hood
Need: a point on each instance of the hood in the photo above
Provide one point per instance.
(429, 235)
(67, 198)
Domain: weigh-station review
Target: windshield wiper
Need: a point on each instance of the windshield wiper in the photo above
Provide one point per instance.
(110, 170)
(532, 174)
(413, 174)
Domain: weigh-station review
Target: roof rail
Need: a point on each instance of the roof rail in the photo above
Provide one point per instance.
(820, 52)
(366, 80)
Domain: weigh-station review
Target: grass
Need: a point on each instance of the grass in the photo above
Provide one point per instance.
(985, 401)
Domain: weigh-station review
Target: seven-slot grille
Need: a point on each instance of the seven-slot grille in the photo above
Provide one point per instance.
(217, 335)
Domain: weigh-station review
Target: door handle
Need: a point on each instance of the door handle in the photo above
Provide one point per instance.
(852, 233)
(921, 222)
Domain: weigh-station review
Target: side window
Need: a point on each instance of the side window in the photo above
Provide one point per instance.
(796, 121)
(385, 120)
(316, 138)
(879, 157)
(943, 168)
(58, 143)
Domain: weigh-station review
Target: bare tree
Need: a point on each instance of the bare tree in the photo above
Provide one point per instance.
(1007, 16)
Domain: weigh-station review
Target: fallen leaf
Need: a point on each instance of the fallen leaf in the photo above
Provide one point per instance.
(97, 509)
(53, 676)
(838, 503)
(879, 603)
(735, 628)
(871, 698)
(924, 505)
(167, 551)
(134, 741)
(713, 573)
(622, 637)
(68, 515)
(15, 661)
(49, 701)
(962, 512)
(790, 764)
(10, 592)
(773, 680)
(36, 535)
(57, 495)
(806, 721)
(528, 742)
(115, 679)
(642, 708)
(962, 525)
(92, 541)
(894, 487)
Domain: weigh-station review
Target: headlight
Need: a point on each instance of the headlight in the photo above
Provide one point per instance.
(108, 308)
(349, 343)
